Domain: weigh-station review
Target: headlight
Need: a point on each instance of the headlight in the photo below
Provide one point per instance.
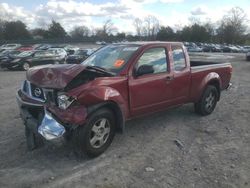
(64, 101)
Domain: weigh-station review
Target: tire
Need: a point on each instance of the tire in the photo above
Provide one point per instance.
(94, 137)
(25, 66)
(208, 101)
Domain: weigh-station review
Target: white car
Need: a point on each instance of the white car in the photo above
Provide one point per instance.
(59, 51)
(9, 46)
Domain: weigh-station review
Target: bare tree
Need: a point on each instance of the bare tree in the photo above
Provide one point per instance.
(138, 24)
(80, 32)
(233, 26)
(152, 26)
(108, 27)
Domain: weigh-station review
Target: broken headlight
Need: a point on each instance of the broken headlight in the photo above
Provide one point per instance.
(64, 101)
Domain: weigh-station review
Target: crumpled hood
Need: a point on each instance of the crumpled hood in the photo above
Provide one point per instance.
(53, 76)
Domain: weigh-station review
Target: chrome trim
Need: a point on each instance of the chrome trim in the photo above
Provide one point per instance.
(50, 128)
(229, 86)
(27, 103)
(29, 94)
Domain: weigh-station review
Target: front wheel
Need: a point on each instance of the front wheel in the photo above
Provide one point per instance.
(208, 101)
(26, 66)
(96, 135)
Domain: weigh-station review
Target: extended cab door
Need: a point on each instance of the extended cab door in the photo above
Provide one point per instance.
(150, 86)
(182, 75)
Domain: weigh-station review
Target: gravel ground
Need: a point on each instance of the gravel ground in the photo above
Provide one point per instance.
(174, 148)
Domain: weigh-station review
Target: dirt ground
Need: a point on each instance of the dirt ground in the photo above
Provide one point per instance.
(174, 148)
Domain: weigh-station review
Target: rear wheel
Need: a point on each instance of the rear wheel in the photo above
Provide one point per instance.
(208, 101)
(96, 135)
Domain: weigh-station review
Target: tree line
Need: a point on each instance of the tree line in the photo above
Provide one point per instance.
(231, 29)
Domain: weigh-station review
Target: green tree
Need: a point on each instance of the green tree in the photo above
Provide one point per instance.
(15, 30)
(39, 32)
(2, 29)
(56, 30)
(80, 32)
(195, 33)
(166, 34)
(120, 36)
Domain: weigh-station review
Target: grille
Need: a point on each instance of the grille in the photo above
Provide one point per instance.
(37, 92)
(40, 94)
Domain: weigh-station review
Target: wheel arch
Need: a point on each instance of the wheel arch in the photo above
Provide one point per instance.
(212, 78)
(114, 107)
(216, 83)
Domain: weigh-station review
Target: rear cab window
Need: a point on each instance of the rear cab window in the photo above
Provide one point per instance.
(179, 60)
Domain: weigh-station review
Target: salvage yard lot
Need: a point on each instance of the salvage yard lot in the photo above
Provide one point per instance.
(174, 148)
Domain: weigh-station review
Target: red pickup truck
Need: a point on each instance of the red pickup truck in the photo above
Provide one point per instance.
(89, 102)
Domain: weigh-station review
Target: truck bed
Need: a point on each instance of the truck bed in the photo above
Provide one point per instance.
(202, 63)
(200, 70)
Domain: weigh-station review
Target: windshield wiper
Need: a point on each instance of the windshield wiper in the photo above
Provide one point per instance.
(101, 69)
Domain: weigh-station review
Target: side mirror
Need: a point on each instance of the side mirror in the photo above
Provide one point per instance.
(144, 69)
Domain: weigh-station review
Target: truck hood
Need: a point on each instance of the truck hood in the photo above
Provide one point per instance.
(53, 76)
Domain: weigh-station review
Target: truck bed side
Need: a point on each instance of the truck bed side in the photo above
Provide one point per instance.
(205, 73)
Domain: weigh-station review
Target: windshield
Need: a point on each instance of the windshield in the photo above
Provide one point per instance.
(81, 52)
(112, 57)
(45, 53)
(25, 54)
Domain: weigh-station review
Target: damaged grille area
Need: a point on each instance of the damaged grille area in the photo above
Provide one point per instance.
(39, 94)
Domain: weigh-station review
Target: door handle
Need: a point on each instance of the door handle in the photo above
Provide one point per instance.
(170, 78)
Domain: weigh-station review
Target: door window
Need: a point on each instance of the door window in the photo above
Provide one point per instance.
(155, 58)
(178, 58)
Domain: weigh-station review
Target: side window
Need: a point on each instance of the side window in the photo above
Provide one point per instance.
(155, 58)
(178, 58)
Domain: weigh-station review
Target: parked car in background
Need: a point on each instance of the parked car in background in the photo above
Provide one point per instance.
(231, 49)
(70, 49)
(6, 54)
(194, 48)
(9, 46)
(59, 52)
(43, 46)
(79, 56)
(29, 59)
(246, 49)
(248, 56)
(26, 48)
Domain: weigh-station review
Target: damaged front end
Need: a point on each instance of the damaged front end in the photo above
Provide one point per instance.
(46, 108)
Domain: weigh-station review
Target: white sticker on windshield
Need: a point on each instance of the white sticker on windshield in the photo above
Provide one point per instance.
(130, 49)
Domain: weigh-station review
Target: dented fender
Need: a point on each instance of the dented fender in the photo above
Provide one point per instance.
(102, 94)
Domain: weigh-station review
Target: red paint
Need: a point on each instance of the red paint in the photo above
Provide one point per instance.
(135, 96)
(76, 115)
(53, 76)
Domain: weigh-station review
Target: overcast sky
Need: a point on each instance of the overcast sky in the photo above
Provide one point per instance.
(70, 13)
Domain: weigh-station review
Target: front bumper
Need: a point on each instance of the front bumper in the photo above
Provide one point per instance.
(50, 122)
(38, 120)
(9, 65)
